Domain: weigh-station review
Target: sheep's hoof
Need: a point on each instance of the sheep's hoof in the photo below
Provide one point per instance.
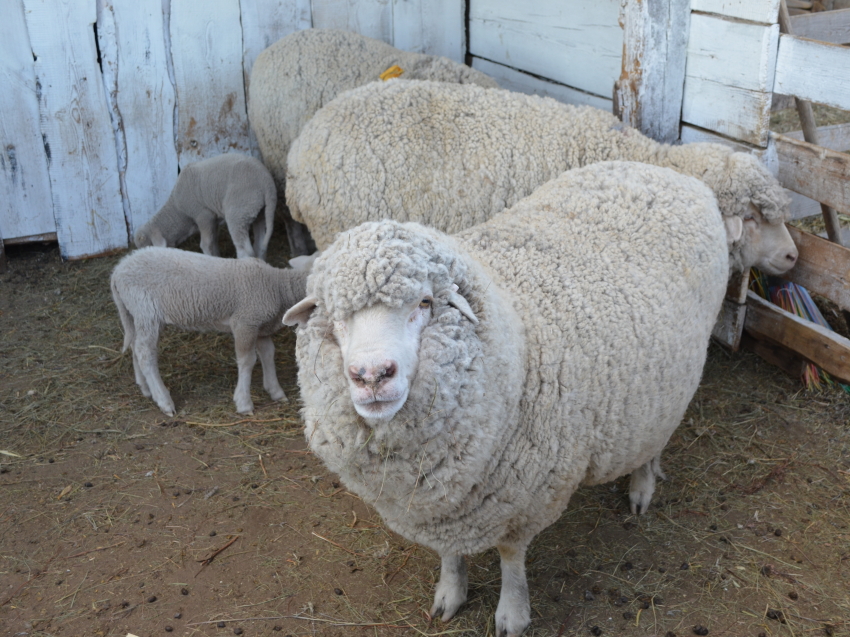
(447, 600)
(170, 412)
(512, 622)
(279, 396)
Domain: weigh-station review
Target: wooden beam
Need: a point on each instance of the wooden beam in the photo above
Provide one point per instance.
(764, 12)
(823, 267)
(826, 26)
(814, 171)
(835, 137)
(812, 70)
(651, 84)
(817, 344)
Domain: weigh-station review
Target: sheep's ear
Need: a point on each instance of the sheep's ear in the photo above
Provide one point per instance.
(460, 303)
(300, 313)
(734, 229)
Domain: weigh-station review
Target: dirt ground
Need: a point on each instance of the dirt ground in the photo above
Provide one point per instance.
(116, 520)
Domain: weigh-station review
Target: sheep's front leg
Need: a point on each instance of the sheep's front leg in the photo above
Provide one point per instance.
(145, 357)
(241, 238)
(265, 348)
(513, 614)
(246, 355)
(451, 589)
(208, 227)
(642, 485)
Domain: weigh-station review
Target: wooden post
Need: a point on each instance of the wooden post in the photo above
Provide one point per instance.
(810, 133)
(649, 91)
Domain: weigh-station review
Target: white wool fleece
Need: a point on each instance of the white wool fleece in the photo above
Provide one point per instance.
(595, 298)
(451, 156)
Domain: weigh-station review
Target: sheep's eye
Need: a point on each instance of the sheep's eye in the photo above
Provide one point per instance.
(425, 303)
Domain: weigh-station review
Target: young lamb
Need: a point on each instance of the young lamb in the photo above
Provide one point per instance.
(467, 385)
(231, 187)
(300, 73)
(451, 156)
(153, 287)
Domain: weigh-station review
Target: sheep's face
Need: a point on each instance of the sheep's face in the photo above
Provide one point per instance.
(768, 246)
(380, 353)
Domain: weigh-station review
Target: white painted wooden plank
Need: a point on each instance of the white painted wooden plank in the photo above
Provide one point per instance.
(75, 123)
(691, 134)
(206, 48)
(142, 99)
(649, 90)
(826, 26)
(26, 207)
(372, 18)
(575, 42)
(524, 83)
(264, 22)
(739, 54)
(834, 137)
(735, 112)
(765, 11)
(435, 27)
(814, 71)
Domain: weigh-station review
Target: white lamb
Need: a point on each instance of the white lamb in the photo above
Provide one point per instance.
(232, 187)
(451, 156)
(153, 287)
(467, 385)
(300, 73)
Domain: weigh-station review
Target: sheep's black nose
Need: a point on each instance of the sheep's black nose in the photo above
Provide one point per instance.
(372, 374)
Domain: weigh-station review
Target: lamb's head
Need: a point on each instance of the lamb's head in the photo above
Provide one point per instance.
(380, 286)
(755, 240)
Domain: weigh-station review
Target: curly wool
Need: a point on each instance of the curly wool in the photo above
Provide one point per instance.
(453, 156)
(300, 73)
(592, 334)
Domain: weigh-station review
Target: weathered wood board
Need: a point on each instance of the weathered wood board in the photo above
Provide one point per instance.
(524, 83)
(834, 137)
(822, 268)
(730, 322)
(142, 99)
(78, 138)
(734, 112)
(264, 22)
(765, 12)
(26, 207)
(576, 43)
(435, 27)
(207, 54)
(826, 26)
(821, 346)
(372, 18)
(815, 71)
(813, 171)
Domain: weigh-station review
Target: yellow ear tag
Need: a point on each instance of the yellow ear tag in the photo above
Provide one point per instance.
(394, 71)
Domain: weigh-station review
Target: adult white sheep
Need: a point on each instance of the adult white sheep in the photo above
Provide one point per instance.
(451, 156)
(231, 187)
(153, 287)
(300, 73)
(466, 385)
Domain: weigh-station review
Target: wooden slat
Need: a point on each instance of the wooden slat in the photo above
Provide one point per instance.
(738, 113)
(826, 26)
(135, 69)
(764, 11)
(372, 18)
(823, 267)
(435, 27)
(207, 54)
(82, 159)
(649, 90)
(573, 42)
(524, 83)
(821, 346)
(813, 171)
(835, 137)
(730, 322)
(777, 356)
(25, 204)
(813, 71)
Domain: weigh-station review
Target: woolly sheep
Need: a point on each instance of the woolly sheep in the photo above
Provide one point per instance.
(300, 73)
(153, 287)
(452, 156)
(466, 386)
(233, 187)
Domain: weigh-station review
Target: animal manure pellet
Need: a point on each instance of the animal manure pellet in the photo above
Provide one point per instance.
(184, 591)
(777, 532)
(670, 633)
(596, 631)
(793, 595)
(685, 566)
(221, 624)
(213, 533)
(88, 485)
(589, 596)
(628, 615)
(237, 631)
(152, 599)
(338, 591)
(178, 615)
(700, 630)
(168, 629)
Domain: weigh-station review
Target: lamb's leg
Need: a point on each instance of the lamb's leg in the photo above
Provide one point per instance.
(140, 377)
(246, 355)
(259, 233)
(642, 484)
(208, 227)
(265, 348)
(241, 239)
(513, 614)
(145, 352)
(451, 589)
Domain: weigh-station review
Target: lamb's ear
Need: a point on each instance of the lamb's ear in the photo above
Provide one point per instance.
(734, 229)
(460, 303)
(300, 313)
